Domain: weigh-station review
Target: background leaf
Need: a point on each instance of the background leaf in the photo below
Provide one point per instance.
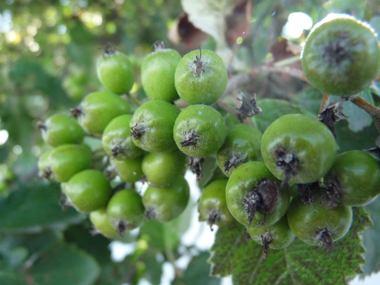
(64, 264)
(33, 207)
(300, 263)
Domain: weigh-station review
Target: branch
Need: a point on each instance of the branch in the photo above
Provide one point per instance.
(373, 111)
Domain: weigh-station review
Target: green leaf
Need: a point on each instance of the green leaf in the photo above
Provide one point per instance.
(197, 272)
(28, 73)
(358, 119)
(272, 109)
(33, 207)
(16, 248)
(8, 278)
(162, 236)
(300, 263)
(64, 264)
(208, 169)
(310, 99)
(371, 240)
(96, 245)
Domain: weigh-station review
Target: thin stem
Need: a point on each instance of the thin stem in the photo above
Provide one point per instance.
(325, 102)
(295, 72)
(373, 111)
(287, 61)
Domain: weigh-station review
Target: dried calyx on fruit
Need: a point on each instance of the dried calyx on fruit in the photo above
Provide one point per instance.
(262, 197)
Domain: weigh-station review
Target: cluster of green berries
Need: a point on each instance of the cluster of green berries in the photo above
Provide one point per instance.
(257, 170)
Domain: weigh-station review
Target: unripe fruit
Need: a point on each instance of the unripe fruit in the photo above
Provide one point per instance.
(97, 109)
(341, 55)
(166, 204)
(298, 149)
(100, 220)
(129, 170)
(87, 190)
(316, 225)
(68, 159)
(152, 126)
(277, 236)
(162, 168)
(157, 73)
(61, 129)
(117, 140)
(125, 210)
(213, 206)
(199, 131)
(253, 196)
(354, 178)
(115, 71)
(44, 166)
(201, 77)
(242, 144)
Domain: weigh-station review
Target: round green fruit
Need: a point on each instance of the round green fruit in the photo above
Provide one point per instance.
(298, 149)
(129, 170)
(157, 73)
(316, 225)
(61, 129)
(100, 220)
(167, 203)
(68, 159)
(199, 131)
(87, 190)
(213, 206)
(125, 210)
(201, 77)
(354, 178)
(253, 196)
(44, 166)
(277, 236)
(97, 109)
(117, 140)
(162, 168)
(115, 71)
(152, 126)
(341, 55)
(242, 144)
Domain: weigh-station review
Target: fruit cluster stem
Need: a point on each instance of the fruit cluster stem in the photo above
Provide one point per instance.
(373, 111)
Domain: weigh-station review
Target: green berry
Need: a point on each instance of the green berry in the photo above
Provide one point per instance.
(341, 55)
(298, 149)
(87, 190)
(68, 159)
(201, 77)
(316, 225)
(152, 126)
(100, 220)
(167, 203)
(125, 210)
(199, 131)
(253, 196)
(157, 73)
(277, 236)
(129, 170)
(213, 206)
(97, 109)
(117, 140)
(242, 144)
(115, 71)
(162, 168)
(61, 129)
(354, 178)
